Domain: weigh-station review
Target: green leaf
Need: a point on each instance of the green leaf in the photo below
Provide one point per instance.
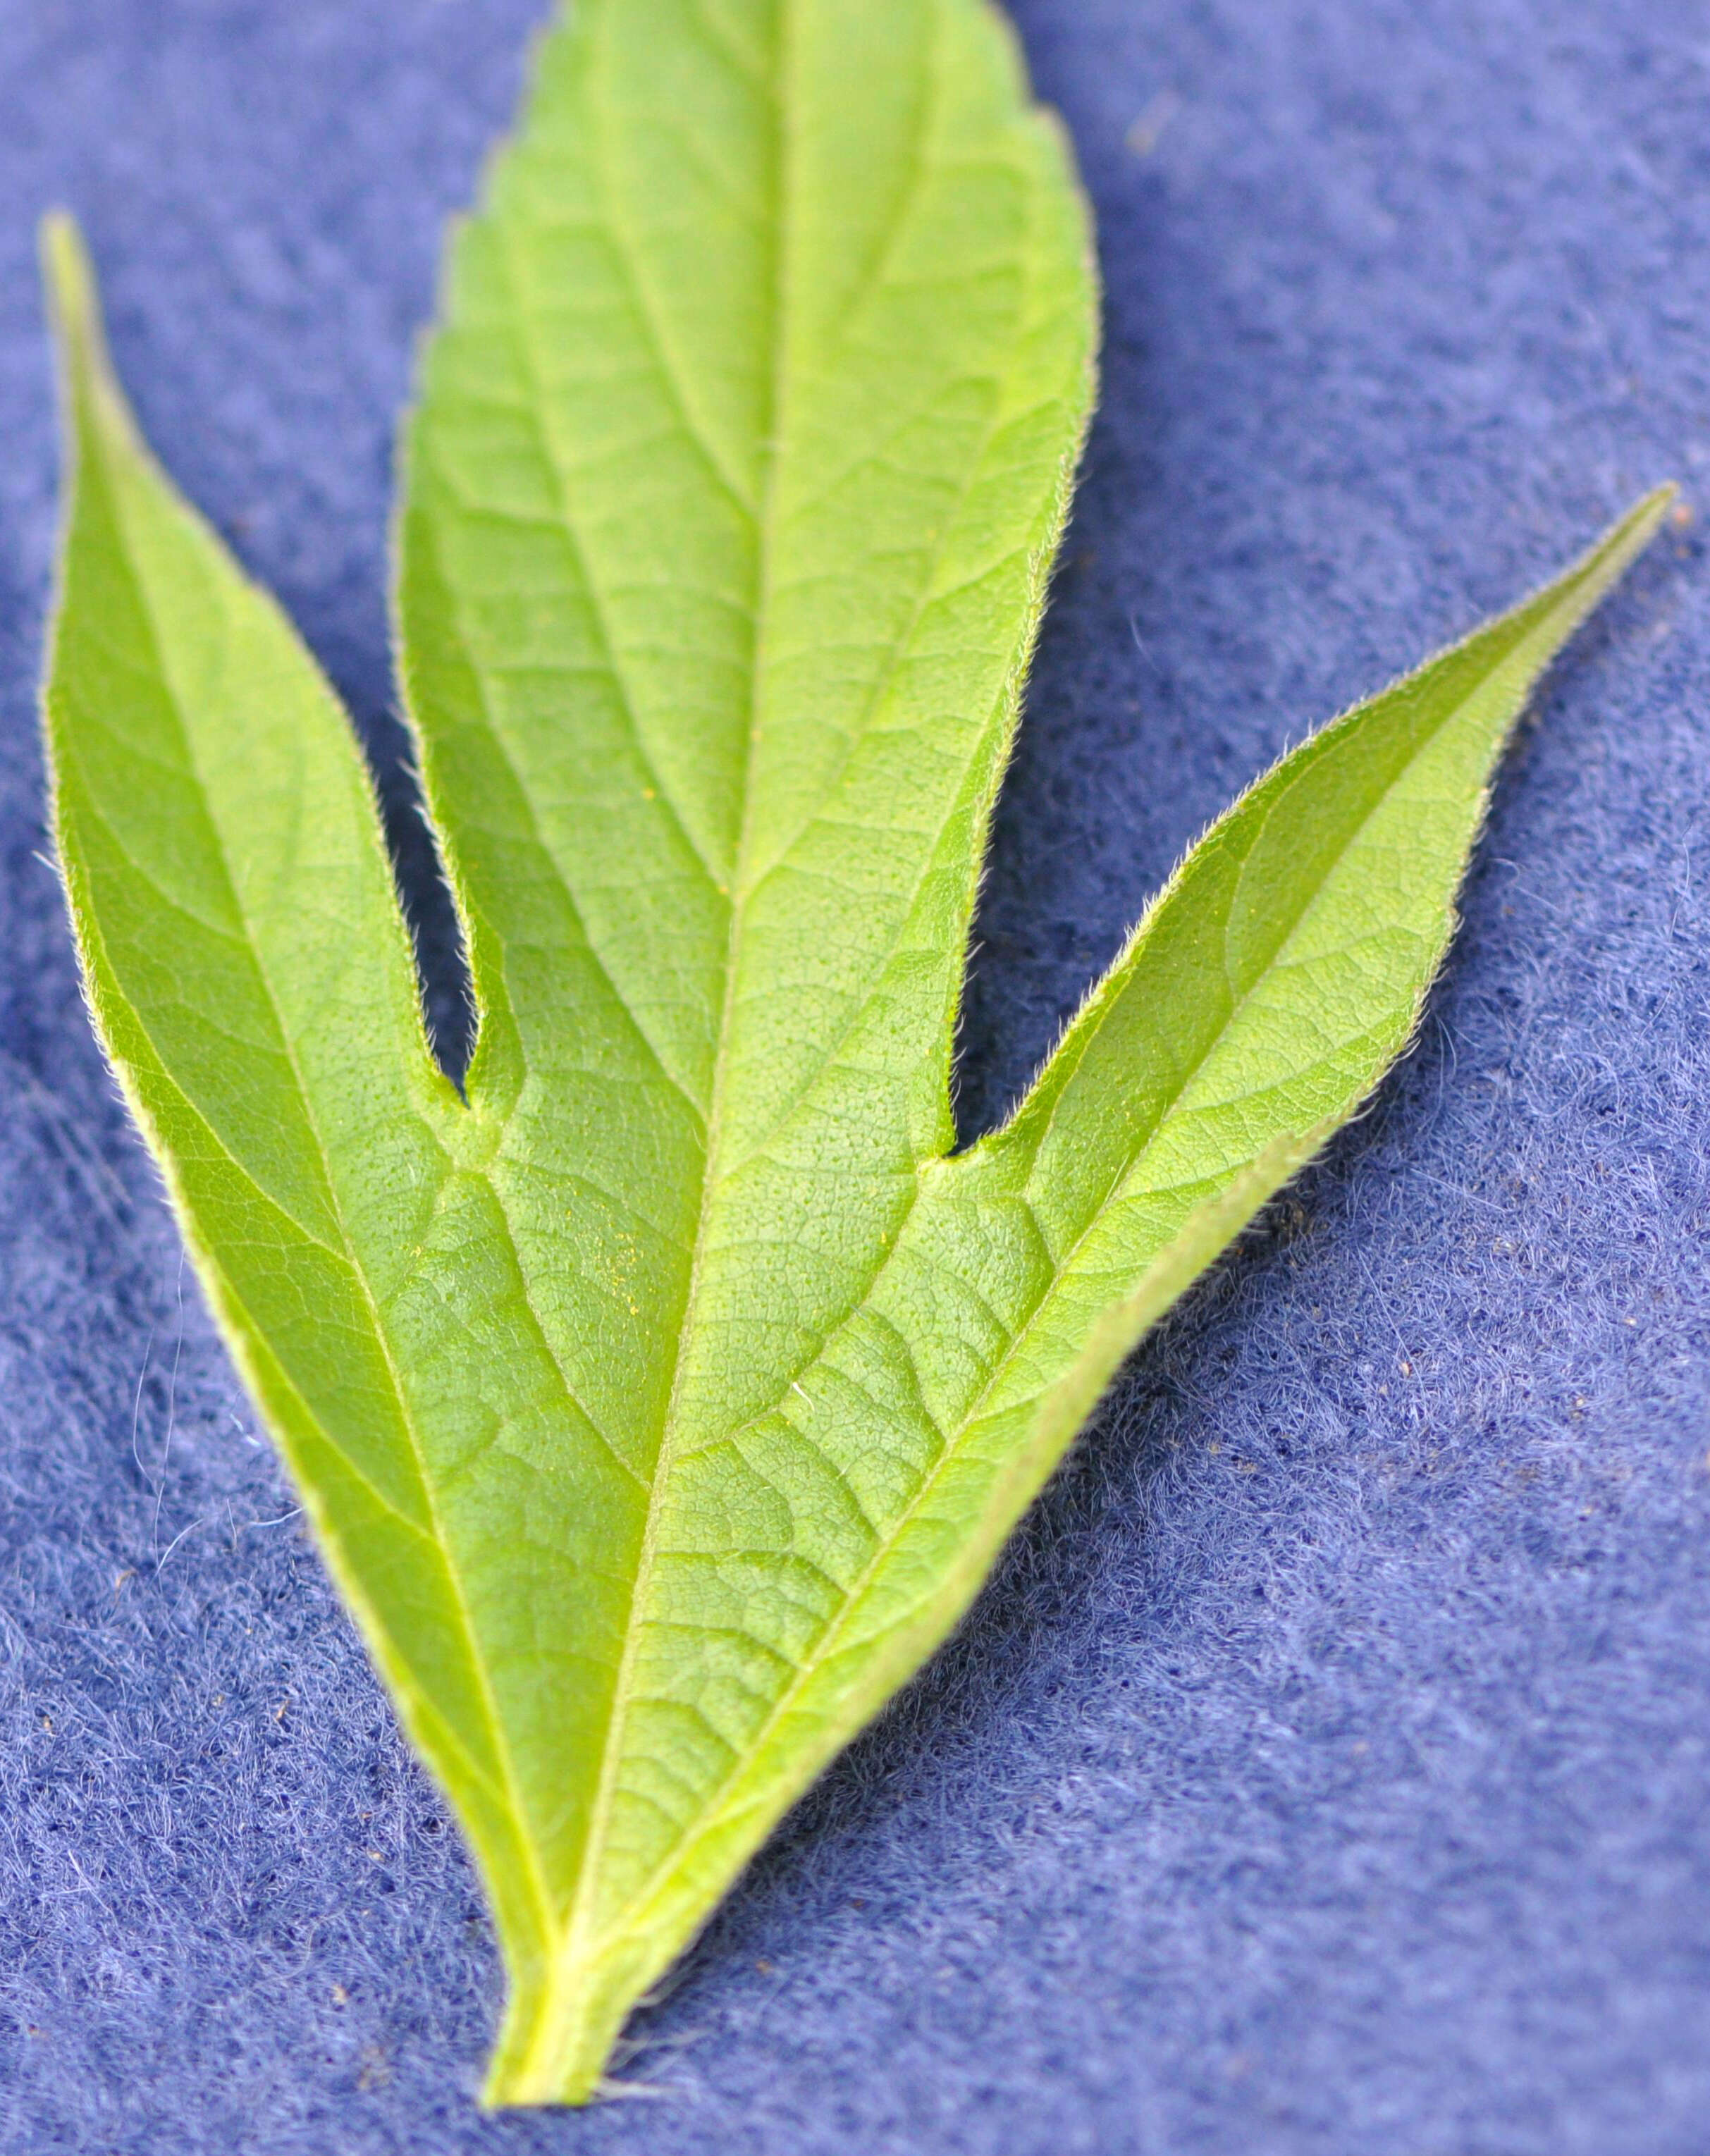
(662, 1401)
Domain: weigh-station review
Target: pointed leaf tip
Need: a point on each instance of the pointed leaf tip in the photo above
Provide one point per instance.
(1609, 558)
(89, 393)
(73, 308)
(65, 265)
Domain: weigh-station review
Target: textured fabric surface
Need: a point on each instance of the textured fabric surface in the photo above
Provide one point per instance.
(1326, 1771)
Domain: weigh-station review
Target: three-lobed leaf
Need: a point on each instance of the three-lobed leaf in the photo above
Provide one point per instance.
(661, 1401)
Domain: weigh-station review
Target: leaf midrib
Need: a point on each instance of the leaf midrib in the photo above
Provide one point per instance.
(579, 1915)
(743, 891)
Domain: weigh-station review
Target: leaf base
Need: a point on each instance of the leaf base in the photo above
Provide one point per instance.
(562, 2023)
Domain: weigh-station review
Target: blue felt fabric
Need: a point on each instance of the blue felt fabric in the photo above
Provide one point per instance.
(1326, 1772)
